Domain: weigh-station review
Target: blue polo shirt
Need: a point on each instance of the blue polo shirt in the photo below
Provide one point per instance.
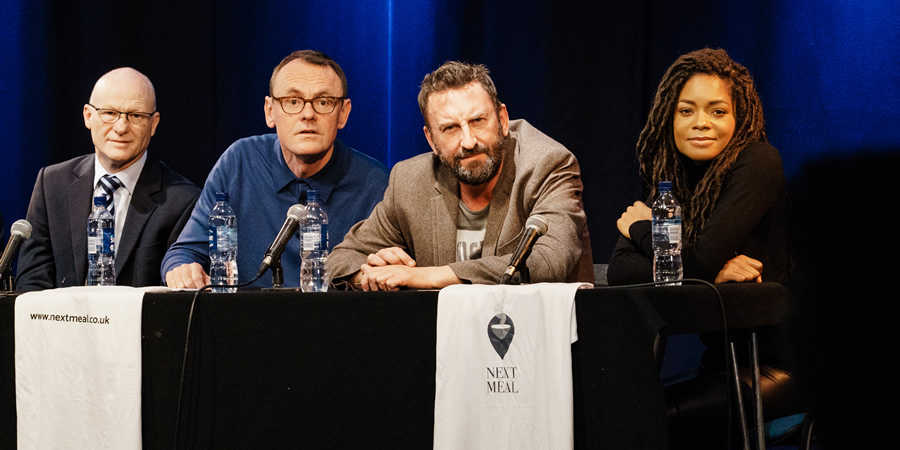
(262, 189)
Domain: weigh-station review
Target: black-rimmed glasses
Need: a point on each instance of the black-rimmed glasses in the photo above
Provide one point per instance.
(112, 116)
(321, 105)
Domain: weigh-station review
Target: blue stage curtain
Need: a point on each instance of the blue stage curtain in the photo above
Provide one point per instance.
(583, 72)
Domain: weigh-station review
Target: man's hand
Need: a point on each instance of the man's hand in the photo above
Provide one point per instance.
(393, 277)
(741, 268)
(187, 276)
(392, 268)
(637, 211)
(390, 256)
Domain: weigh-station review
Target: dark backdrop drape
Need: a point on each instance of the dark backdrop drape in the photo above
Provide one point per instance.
(583, 72)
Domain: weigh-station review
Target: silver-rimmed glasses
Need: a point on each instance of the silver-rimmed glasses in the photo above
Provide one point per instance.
(112, 116)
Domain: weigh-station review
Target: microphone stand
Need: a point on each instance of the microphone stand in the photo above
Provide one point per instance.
(522, 276)
(277, 274)
(278, 278)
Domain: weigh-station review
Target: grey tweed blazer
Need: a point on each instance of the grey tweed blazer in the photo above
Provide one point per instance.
(418, 214)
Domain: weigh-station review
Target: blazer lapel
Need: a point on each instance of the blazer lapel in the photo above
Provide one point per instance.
(139, 211)
(79, 195)
(500, 200)
(444, 208)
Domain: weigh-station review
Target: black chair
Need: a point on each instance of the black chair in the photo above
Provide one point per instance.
(600, 274)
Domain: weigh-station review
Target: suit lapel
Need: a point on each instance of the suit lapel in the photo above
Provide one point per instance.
(500, 200)
(79, 195)
(139, 211)
(444, 208)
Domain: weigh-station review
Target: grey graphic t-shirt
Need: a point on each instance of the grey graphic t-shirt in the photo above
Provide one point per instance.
(470, 228)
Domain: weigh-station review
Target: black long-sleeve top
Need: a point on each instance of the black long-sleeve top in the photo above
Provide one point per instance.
(749, 219)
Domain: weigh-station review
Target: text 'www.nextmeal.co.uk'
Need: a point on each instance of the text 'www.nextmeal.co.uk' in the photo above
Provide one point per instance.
(70, 318)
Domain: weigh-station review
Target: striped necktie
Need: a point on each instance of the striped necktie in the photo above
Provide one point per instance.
(110, 184)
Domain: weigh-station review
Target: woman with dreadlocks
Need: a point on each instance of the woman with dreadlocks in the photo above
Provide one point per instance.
(705, 134)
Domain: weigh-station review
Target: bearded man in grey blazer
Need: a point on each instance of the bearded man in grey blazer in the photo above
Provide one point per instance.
(457, 214)
(150, 201)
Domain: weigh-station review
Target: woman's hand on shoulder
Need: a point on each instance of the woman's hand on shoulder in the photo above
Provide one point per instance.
(740, 269)
(637, 211)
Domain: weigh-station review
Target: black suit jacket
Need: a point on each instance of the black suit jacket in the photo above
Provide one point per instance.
(56, 254)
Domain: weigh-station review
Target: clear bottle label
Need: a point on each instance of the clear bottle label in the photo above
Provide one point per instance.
(109, 241)
(315, 237)
(673, 229)
(667, 232)
(226, 235)
(93, 245)
(222, 238)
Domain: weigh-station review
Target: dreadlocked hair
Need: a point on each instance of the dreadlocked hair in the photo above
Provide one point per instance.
(657, 154)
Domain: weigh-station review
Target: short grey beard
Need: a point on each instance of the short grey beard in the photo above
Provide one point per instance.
(479, 174)
(482, 173)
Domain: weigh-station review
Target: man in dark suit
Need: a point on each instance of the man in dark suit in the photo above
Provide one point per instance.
(150, 201)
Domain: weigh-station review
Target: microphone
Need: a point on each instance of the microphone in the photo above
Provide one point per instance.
(19, 231)
(294, 215)
(535, 227)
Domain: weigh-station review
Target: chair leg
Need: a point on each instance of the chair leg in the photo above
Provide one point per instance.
(757, 394)
(806, 432)
(745, 435)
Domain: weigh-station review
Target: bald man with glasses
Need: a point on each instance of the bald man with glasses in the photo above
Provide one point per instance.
(150, 201)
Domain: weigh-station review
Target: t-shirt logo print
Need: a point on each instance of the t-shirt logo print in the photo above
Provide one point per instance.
(500, 332)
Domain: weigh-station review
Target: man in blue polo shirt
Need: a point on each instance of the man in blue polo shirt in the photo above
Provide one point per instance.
(265, 175)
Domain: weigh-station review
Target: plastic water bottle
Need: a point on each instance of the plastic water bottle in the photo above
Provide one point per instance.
(314, 273)
(667, 266)
(101, 242)
(223, 244)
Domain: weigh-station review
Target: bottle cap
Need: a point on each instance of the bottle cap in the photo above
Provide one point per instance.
(665, 186)
(99, 200)
(312, 196)
(221, 196)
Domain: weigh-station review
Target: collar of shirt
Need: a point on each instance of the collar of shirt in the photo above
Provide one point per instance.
(128, 176)
(322, 181)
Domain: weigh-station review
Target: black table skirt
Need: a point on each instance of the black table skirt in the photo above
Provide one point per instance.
(356, 370)
(7, 372)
